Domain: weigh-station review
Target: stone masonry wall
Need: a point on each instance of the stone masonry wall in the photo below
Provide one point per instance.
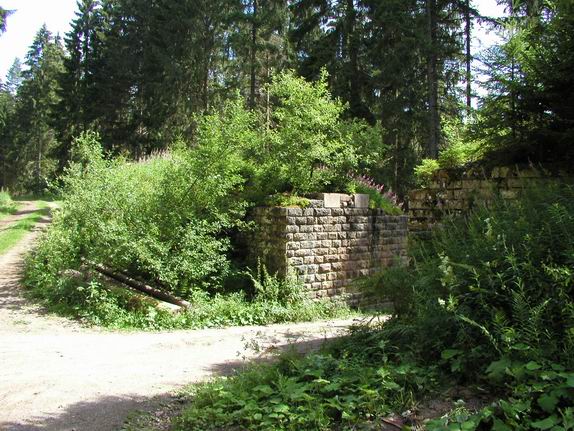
(454, 192)
(330, 244)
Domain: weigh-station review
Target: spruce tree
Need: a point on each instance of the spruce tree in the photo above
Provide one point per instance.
(34, 137)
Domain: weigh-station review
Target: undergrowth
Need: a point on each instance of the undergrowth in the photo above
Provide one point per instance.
(487, 304)
(97, 302)
(346, 385)
(7, 205)
(170, 219)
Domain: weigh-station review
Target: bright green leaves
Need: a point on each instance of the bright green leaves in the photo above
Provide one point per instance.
(321, 391)
(308, 146)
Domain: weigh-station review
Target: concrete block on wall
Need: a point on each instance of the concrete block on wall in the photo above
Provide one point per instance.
(361, 200)
(331, 200)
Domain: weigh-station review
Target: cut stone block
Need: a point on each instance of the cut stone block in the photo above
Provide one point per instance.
(332, 200)
(361, 200)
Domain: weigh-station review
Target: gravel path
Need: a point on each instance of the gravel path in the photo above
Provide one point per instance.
(57, 375)
(24, 207)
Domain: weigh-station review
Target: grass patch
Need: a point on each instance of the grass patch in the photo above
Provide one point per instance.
(16, 231)
(7, 205)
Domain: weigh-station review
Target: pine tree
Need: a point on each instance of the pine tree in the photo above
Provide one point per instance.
(79, 100)
(332, 34)
(7, 105)
(34, 137)
(4, 14)
(14, 77)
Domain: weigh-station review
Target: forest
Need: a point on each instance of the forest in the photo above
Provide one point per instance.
(157, 127)
(140, 73)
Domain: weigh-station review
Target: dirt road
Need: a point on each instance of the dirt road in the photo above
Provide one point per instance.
(57, 375)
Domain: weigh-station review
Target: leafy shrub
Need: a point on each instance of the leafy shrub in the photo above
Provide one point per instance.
(308, 146)
(7, 205)
(487, 301)
(378, 197)
(461, 149)
(425, 170)
(168, 219)
(491, 300)
(348, 384)
(160, 220)
(541, 398)
(271, 288)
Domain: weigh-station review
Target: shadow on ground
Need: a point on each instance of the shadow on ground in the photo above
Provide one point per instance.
(109, 413)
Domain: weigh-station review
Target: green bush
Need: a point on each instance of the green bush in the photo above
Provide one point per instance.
(7, 205)
(378, 199)
(491, 300)
(488, 302)
(168, 219)
(308, 147)
(340, 388)
(160, 220)
(504, 275)
(460, 150)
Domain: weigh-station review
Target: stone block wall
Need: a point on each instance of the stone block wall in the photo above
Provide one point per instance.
(330, 244)
(456, 192)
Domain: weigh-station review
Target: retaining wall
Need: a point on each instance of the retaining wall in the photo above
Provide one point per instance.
(330, 244)
(456, 192)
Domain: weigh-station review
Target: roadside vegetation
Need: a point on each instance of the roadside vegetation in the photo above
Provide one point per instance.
(7, 205)
(485, 309)
(11, 234)
(173, 220)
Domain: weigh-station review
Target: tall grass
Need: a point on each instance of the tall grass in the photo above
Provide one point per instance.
(7, 205)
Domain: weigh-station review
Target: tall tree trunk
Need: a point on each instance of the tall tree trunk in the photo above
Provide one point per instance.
(254, 25)
(513, 116)
(353, 48)
(267, 95)
(467, 33)
(432, 77)
(39, 164)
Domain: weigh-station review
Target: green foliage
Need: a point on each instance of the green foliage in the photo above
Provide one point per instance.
(425, 170)
(269, 287)
(541, 396)
(528, 111)
(487, 301)
(287, 200)
(166, 220)
(7, 205)
(309, 147)
(377, 199)
(350, 383)
(99, 303)
(503, 275)
(160, 219)
(462, 148)
(14, 232)
(496, 288)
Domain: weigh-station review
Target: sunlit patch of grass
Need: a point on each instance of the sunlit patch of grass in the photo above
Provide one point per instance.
(7, 205)
(13, 233)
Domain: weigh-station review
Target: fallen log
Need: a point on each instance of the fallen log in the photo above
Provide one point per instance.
(140, 286)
